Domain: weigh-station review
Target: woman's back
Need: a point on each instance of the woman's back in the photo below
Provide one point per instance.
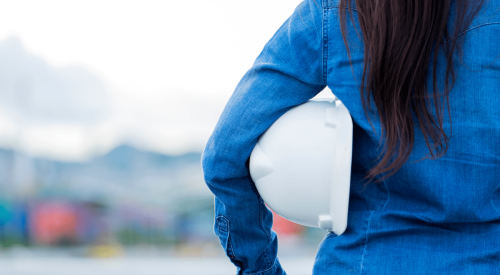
(438, 216)
(433, 216)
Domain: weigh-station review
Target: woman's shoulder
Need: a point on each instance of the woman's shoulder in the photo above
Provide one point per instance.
(336, 3)
(488, 15)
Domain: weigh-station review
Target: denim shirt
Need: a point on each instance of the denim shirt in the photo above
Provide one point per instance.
(438, 216)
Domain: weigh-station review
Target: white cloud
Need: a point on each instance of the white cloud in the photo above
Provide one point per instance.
(33, 90)
(152, 73)
(153, 45)
(68, 113)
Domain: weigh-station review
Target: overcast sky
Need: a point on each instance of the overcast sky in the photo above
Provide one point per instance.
(80, 77)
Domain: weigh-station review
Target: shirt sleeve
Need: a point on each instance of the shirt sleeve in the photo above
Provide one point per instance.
(288, 72)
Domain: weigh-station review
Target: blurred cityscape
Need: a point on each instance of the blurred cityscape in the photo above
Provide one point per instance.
(126, 202)
(96, 117)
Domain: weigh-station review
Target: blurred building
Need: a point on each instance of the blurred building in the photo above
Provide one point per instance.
(127, 197)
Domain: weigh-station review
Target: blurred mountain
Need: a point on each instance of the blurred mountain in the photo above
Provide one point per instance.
(125, 174)
(69, 112)
(34, 90)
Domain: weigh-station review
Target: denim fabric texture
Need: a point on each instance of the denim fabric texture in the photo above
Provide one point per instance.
(437, 216)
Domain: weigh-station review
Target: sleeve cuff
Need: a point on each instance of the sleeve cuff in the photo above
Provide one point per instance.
(276, 269)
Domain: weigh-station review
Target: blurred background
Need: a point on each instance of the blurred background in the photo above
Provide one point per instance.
(105, 108)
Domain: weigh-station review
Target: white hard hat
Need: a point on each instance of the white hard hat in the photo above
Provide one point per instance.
(301, 165)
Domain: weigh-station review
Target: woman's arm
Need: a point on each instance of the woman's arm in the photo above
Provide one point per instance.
(288, 72)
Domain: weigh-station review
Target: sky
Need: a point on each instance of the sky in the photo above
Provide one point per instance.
(78, 78)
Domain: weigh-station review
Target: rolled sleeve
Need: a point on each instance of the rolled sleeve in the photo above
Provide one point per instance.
(288, 72)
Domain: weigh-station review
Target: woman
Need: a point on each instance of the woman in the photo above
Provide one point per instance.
(424, 199)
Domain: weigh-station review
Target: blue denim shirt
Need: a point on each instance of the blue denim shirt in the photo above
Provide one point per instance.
(437, 216)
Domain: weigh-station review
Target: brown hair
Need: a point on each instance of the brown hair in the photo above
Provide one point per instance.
(400, 36)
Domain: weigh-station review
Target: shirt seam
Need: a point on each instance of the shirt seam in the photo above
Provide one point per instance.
(472, 28)
(491, 199)
(388, 193)
(368, 224)
(366, 243)
(325, 46)
(260, 202)
(336, 7)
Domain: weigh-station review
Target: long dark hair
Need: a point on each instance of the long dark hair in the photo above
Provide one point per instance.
(400, 37)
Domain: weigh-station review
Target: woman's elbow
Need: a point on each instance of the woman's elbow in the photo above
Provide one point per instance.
(208, 164)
